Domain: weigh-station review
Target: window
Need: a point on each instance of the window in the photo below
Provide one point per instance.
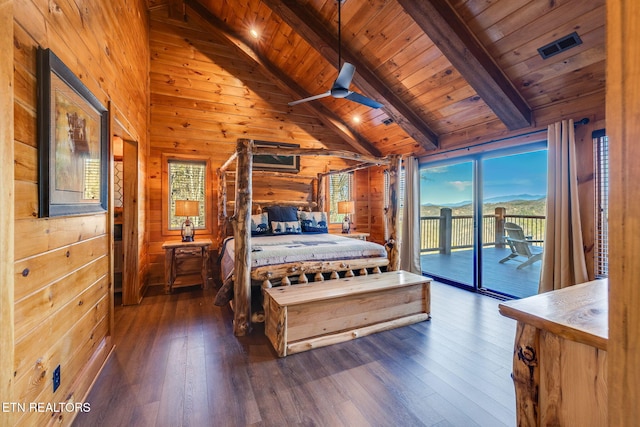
(601, 158)
(186, 182)
(340, 189)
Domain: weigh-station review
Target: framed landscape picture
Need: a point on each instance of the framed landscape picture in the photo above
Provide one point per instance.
(73, 135)
(276, 163)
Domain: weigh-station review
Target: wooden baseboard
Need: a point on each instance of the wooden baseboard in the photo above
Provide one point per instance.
(85, 381)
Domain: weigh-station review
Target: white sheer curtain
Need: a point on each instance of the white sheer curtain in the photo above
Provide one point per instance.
(410, 240)
(563, 262)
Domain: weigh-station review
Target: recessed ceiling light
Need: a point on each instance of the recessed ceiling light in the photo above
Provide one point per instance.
(356, 119)
(254, 33)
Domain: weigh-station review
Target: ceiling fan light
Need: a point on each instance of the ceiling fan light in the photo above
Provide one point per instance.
(339, 92)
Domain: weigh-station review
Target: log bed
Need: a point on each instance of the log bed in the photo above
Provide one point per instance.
(300, 271)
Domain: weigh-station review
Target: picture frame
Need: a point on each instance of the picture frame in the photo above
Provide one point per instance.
(72, 142)
(276, 163)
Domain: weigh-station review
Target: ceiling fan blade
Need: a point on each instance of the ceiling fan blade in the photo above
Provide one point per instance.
(311, 98)
(356, 97)
(344, 77)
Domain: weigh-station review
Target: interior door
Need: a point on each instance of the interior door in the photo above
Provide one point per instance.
(131, 286)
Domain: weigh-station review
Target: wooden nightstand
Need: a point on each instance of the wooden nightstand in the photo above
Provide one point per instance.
(354, 235)
(186, 263)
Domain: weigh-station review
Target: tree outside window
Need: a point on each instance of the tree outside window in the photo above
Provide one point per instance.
(187, 181)
(340, 189)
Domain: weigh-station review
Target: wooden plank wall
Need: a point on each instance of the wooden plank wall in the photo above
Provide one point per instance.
(376, 205)
(6, 215)
(586, 188)
(592, 105)
(361, 219)
(61, 265)
(623, 127)
(204, 97)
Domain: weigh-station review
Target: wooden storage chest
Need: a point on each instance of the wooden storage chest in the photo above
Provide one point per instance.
(306, 316)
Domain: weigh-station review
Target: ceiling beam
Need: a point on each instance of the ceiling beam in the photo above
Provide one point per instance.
(311, 29)
(202, 16)
(176, 9)
(449, 33)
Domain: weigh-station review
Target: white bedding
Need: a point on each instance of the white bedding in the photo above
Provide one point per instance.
(281, 249)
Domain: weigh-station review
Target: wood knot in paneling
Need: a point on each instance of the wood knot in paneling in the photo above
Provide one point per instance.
(527, 355)
(54, 8)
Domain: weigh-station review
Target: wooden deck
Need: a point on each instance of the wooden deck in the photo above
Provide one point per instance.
(177, 362)
(504, 278)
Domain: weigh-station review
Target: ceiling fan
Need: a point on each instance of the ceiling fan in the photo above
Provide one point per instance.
(340, 87)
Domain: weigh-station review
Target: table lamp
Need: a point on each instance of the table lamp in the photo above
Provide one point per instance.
(346, 208)
(187, 208)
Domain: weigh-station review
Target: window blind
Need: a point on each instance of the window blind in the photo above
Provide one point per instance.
(601, 157)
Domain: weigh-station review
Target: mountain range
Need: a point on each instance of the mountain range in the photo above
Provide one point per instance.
(497, 199)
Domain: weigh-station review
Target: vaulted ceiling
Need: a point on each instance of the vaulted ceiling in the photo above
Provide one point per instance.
(448, 72)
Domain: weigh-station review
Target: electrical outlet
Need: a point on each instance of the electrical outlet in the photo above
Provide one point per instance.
(56, 378)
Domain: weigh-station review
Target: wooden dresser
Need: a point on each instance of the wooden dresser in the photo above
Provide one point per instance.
(560, 356)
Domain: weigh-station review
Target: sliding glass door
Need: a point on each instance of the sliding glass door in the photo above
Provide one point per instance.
(514, 199)
(447, 222)
(482, 221)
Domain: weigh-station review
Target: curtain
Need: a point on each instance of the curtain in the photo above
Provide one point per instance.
(410, 234)
(563, 262)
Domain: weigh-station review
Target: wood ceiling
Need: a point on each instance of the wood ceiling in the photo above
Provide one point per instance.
(449, 73)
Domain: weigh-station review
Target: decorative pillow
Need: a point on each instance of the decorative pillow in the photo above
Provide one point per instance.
(314, 222)
(282, 213)
(259, 224)
(286, 227)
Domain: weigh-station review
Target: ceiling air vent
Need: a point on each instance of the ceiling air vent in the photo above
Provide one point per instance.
(387, 121)
(560, 45)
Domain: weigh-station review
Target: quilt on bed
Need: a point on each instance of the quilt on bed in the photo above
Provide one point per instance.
(281, 249)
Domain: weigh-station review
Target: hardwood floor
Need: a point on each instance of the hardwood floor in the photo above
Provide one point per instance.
(177, 363)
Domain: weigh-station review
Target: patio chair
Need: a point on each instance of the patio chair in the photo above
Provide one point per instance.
(521, 245)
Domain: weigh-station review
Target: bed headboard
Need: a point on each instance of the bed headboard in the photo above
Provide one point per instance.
(257, 207)
(225, 225)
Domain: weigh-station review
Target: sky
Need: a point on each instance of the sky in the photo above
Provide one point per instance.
(516, 174)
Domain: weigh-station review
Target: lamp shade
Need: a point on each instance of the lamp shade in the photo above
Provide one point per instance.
(187, 208)
(346, 207)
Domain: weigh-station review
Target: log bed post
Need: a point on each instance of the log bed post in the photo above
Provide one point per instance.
(242, 237)
(391, 213)
(314, 191)
(321, 192)
(222, 206)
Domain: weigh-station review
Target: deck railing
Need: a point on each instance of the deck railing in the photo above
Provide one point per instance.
(446, 232)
